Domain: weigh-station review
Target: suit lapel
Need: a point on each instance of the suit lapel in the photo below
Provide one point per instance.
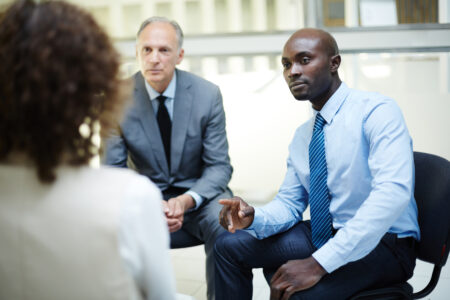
(182, 107)
(147, 117)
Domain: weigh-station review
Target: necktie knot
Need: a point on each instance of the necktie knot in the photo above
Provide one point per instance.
(161, 99)
(319, 123)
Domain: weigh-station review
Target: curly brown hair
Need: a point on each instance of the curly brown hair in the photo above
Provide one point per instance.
(59, 73)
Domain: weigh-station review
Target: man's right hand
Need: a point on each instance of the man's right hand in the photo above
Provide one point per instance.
(235, 214)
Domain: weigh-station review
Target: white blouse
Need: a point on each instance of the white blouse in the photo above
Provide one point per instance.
(144, 240)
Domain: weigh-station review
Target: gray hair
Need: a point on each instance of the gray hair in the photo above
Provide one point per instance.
(174, 24)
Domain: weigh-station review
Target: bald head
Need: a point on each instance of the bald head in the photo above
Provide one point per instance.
(326, 40)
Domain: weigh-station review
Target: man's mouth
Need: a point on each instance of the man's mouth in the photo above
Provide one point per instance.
(154, 71)
(297, 85)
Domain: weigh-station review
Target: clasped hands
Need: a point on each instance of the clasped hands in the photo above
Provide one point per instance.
(174, 210)
(291, 277)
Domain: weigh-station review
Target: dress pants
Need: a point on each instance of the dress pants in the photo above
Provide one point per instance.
(202, 224)
(392, 261)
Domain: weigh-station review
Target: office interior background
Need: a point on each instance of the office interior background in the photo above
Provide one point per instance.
(400, 48)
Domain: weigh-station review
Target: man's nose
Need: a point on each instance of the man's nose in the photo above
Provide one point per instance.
(154, 56)
(296, 70)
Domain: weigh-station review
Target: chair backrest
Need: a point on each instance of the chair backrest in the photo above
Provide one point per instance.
(432, 193)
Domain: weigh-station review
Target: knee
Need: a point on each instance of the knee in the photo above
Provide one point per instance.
(222, 243)
(230, 245)
(211, 230)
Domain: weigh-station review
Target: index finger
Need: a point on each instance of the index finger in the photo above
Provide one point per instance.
(164, 206)
(171, 207)
(230, 201)
(288, 293)
(276, 276)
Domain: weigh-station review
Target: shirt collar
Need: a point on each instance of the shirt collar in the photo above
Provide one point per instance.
(169, 92)
(331, 107)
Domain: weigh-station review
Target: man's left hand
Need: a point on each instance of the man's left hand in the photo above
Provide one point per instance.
(294, 276)
(177, 206)
(175, 209)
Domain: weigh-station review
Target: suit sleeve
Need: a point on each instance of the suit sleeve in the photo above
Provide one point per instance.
(217, 168)
(116, 151)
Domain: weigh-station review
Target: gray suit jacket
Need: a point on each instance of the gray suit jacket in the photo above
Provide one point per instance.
(199, 146)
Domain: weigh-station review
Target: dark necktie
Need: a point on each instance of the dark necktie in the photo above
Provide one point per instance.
(165, 126)
(321, 225)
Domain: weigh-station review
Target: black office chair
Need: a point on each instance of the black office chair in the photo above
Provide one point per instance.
(432, 193)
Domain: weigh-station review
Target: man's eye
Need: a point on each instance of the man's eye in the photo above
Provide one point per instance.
(286, 65)
(305, 60)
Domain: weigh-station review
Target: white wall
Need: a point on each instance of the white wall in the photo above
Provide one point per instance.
(415, 82)
(262, 115)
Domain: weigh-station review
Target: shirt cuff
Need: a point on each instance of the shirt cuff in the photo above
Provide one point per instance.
(256, 224)
(197, 199)
(328, 258)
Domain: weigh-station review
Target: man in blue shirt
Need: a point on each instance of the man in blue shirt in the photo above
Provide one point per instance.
(364, 216)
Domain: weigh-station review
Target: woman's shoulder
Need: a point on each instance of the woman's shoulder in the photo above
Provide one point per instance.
(124, 177)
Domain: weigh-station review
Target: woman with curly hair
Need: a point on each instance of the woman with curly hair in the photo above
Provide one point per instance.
(69, 231)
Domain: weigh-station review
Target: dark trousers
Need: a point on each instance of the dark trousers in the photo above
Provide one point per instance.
(392, 261)
(200, 226)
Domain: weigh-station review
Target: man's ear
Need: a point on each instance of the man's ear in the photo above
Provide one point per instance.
(180, 56)
(335, 62)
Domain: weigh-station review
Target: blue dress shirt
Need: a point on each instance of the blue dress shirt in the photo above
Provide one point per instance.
(169, 93)
(370, 178)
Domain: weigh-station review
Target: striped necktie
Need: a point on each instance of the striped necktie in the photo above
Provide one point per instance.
(321, 224)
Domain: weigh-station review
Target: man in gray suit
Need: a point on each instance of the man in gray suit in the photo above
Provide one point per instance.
(174, 133)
